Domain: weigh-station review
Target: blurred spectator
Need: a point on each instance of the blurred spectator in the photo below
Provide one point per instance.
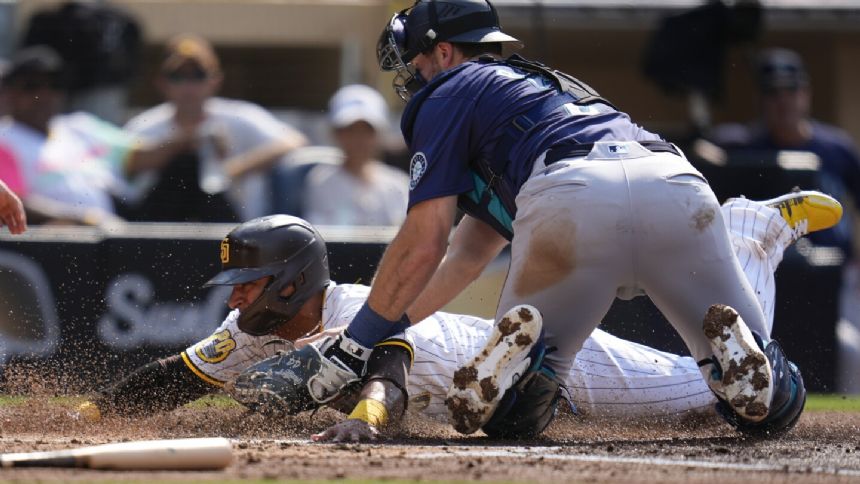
(360, 190)
(785, 124)
(236, 142)
(64, 167)
(100, 44)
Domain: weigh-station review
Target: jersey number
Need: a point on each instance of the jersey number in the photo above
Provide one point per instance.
(216, 348)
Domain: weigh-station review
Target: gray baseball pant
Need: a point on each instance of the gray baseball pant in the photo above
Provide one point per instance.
(622, 222)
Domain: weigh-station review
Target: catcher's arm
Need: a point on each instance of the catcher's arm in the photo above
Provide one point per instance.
(157, 386)
(383, 397)
(474, 245)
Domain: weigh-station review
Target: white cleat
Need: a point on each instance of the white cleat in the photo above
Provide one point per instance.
(479, 386)
(747, 381)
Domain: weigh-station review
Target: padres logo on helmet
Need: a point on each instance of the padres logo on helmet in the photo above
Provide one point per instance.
(225, 251)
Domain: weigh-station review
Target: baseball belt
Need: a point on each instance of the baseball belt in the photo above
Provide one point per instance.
(578, 150)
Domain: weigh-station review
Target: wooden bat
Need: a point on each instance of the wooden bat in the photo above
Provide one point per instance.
(185, 454)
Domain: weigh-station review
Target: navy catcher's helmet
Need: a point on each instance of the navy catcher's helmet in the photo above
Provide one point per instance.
(287, 248)
(421, 26)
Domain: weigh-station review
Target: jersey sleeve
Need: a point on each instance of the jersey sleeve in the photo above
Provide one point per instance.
(161, 385)
(342, 302)
(223, 355)
(440, 145)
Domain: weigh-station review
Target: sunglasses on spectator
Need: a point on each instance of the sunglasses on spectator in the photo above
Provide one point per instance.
(178, 77)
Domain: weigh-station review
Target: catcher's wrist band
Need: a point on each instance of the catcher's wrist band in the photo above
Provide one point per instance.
(371, 411)
(369, 328)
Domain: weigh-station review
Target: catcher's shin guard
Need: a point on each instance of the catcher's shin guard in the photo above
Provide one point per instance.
(528, 407)
(789, 398)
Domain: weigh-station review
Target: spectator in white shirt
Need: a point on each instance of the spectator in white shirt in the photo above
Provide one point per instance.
(237, 142)
(359, 189)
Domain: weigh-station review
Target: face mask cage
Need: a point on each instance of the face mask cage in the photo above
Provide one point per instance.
(392, 43)
(390, 52)
(407, 82)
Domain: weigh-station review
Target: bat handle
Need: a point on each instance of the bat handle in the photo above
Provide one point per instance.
(45, 461)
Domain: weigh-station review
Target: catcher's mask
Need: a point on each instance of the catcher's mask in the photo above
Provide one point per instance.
(419, 28)
(288, 249)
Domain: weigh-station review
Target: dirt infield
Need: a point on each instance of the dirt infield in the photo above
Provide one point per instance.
(825, 447)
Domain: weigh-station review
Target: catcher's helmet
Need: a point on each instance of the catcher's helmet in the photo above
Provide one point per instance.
(427, 22)
(287, 248)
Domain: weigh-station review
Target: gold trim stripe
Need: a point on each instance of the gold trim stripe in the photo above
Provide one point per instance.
(203, 376)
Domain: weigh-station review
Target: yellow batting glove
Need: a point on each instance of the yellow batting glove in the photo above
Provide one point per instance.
(89, 411)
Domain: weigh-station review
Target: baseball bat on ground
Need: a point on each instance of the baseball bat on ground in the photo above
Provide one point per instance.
(178, 454)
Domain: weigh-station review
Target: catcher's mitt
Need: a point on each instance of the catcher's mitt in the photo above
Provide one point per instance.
(291, 382)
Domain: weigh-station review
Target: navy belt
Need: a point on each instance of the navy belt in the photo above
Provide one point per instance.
(579, 150)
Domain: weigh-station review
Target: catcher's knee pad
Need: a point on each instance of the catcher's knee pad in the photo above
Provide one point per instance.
(789, 398)
(528, 407)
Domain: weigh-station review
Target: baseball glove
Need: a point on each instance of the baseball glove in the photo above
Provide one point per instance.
(291, 382)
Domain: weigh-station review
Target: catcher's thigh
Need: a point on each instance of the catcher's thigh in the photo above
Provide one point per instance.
(566, 257)
(684, 259)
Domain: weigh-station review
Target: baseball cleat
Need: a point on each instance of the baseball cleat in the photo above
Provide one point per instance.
(743, 376)
(807, 211)
(479, 386)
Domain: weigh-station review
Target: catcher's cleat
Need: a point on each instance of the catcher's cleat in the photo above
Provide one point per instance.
(789, 398)
(479, 386)
(741, 374)
(807, 211)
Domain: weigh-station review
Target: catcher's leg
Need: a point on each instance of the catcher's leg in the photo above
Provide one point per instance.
(567, 261)
(690, 270)
(744, 366)
(739, 372)
(529, 406)
(479, 386)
